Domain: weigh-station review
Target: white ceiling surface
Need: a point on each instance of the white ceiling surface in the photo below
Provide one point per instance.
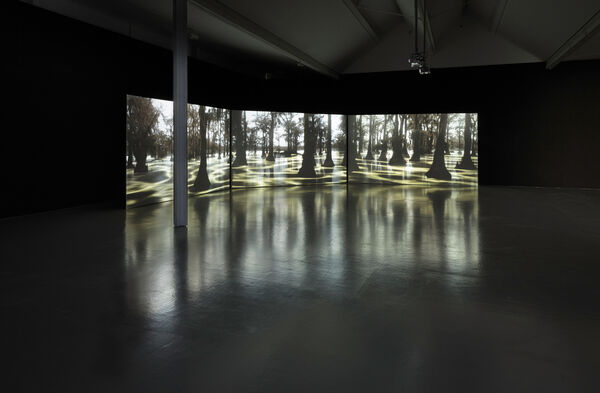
(353, 36)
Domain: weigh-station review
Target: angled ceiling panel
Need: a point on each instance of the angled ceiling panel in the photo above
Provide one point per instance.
(325, 30)
(468, 44)
(352, 35)
(543, 26)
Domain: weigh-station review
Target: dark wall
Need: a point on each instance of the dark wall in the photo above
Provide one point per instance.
(544, 129)
(68, 103)
(64, 136)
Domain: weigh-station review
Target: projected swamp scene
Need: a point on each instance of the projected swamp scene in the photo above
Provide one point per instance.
(149, 139)
(287, 149)
(413, 149)
(291, 149)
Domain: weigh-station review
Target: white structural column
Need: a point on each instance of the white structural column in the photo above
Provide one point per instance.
(180, 172)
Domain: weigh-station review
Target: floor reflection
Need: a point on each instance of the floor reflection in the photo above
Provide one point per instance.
(327, 288)
(326, 241)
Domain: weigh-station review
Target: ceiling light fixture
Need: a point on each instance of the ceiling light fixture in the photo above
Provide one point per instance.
(416, 60)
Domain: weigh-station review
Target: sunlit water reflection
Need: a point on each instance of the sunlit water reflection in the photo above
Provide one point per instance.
(284, 171)
(157, 184)
(413, 173)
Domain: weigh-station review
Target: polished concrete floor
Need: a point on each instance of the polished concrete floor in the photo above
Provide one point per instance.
(370, 289)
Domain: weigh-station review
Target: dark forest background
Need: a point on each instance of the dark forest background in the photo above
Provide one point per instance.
(64, 138)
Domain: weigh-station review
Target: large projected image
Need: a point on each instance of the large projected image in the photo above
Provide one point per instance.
(149, 139)
(413, 149)
(208, 149)
(286, 149)
(289, 149)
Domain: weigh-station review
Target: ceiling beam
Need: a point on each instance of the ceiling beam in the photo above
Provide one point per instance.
(584, 33)
(361, 19)
(407, 9)
(498, 15)
(429, 29)
(239, 21)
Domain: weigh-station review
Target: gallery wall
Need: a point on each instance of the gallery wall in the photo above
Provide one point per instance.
(65, 102)
(68, 83)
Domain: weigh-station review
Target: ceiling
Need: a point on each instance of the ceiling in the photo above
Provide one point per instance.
(334, 37)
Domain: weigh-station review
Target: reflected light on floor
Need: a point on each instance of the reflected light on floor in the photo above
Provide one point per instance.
(314, 288)
(305, 239)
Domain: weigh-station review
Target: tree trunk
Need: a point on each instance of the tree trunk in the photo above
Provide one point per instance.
(438, 167)
(429, 140)
(263, 153)
(219, 133)
(140, 152)
(320, 142)
(416, 137)
(466, 162)
(404, 134)
(270, 154)
(140, 160)
(384, 150)
(295, 143)
(384, 140)
(240, 139)
(360, 135)
(369, 155)
(350, 156)
(129, 158)
(397, 158)
(328, 160)
(210, 145)
(308, 158)
(202, 182)
(346, 140)
(475, 142)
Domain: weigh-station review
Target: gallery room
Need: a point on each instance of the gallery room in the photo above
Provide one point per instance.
(301, 196)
